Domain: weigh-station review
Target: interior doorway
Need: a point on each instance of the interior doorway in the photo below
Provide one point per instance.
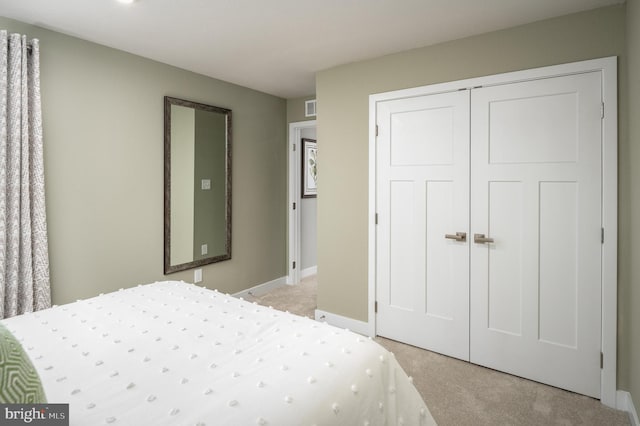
(302, 245)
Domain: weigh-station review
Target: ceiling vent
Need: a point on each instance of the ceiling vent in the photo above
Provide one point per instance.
(310, 108)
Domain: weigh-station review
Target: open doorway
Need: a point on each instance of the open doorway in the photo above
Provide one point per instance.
(302, 242)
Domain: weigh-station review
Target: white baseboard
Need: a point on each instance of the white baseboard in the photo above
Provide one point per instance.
(625, 403)
(360, 327)
(308, 272)
(261, 289)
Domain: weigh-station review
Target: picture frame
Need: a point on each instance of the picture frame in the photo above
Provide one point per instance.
(309, 168)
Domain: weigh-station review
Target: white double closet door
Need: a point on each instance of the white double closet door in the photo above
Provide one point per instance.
(489, 230)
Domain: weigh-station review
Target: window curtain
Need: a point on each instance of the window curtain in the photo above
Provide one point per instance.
(24, 257)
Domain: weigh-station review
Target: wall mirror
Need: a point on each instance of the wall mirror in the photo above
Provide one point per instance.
(197, 184)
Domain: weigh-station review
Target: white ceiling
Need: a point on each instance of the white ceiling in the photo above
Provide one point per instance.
(277, 46)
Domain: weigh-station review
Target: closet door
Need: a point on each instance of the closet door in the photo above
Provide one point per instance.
(422, 202)
(535, 289)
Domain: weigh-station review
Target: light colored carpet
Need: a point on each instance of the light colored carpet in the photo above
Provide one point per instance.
(459, 393)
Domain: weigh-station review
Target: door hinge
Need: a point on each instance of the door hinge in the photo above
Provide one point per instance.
(294, 264)
(376, 218)
(375, 307)
(601, 360)
(294, 146)
(294, 206)
(601, 235)
(601, 109)
(376, 130)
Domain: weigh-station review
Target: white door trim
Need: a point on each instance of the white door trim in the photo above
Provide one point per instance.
(608, 68)
(293, 246)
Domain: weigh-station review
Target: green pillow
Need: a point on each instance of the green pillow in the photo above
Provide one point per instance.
(19, 380)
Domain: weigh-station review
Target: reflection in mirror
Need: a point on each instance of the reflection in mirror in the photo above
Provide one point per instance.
(197, 184)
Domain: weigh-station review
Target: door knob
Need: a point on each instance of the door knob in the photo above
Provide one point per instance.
(460, 236)
(481, 239)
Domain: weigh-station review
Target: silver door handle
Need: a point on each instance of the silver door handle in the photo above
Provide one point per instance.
(460, 236)
(481, 239)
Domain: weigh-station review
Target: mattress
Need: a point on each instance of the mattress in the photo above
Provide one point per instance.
(172, 353)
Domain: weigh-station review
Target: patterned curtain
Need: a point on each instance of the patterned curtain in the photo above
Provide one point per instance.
(24, 257)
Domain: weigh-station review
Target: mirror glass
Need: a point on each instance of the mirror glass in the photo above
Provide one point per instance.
(197, 184)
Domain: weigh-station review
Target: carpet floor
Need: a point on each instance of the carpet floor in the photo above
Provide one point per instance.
(459, 393)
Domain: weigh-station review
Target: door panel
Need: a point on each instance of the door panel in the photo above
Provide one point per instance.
(558, 263)
(543, 137)
(546, 130)
(505, 257)
(408, 145)
(440, 254)
(423, 194)
(403, 249)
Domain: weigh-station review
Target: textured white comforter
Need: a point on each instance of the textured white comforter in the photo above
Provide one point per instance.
(172, 353)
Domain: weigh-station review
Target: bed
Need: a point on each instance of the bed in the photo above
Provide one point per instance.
(171, 353)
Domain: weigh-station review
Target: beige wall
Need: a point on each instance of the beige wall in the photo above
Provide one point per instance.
(343, 94)
(103, 130)
(629, 322)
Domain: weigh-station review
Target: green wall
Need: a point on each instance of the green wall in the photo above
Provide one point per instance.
(343, 92)
(103, 133)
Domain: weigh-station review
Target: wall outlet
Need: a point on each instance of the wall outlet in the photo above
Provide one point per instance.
(204, 249)
(197, 276)
(205, 184)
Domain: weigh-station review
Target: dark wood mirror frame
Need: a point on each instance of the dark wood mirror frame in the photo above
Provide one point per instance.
(168, 266)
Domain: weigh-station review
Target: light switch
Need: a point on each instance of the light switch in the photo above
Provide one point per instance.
(206, 184)
(204, 249)
(197, 276)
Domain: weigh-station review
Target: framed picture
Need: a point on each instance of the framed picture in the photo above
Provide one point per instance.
(309, 168)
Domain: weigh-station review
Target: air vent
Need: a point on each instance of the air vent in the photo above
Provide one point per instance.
(310, 108)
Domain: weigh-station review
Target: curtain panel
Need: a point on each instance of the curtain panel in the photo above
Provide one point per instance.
(24, 258)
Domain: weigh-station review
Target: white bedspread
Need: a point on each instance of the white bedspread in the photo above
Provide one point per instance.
(172, 353)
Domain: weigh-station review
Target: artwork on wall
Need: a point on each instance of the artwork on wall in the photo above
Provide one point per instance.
(309, 168)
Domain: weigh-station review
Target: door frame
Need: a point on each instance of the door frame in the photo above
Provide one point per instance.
(293, 245)
(608, 68)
